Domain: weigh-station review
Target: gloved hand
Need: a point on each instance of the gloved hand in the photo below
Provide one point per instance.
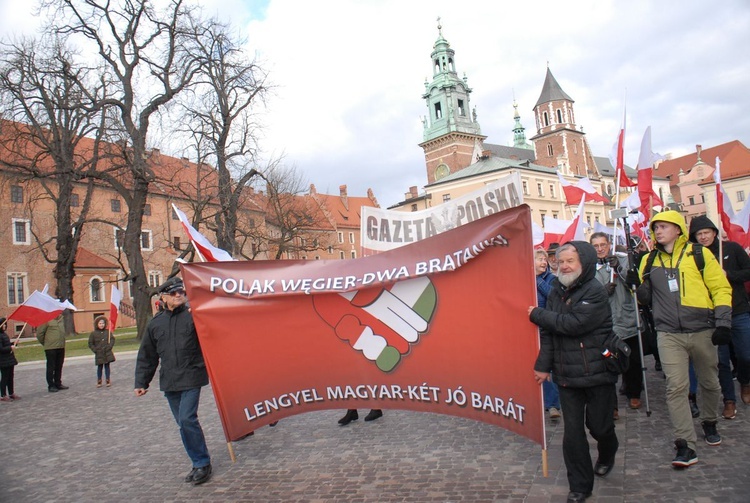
(613, 261)
(610, 288)
(632, 279)
(721, 336)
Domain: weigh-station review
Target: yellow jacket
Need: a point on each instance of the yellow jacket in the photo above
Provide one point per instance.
(681, 298)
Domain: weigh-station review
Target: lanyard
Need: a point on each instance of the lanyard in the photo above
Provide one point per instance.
(670, 274)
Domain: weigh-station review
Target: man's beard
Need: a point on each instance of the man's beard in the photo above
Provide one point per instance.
(567, 279)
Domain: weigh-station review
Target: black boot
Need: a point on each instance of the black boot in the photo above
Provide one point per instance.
(351, 415)
(374, 414)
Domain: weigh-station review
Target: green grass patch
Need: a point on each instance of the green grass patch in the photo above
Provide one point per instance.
(30, 350)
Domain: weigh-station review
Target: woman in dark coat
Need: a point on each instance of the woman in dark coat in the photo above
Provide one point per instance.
(7, 365)
(101, 343)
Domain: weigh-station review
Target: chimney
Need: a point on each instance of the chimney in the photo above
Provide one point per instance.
(344, 197)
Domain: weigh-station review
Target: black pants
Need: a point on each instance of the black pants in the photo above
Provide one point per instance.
(55, 358)
(633, 378)
(6, 381)
(593, 408)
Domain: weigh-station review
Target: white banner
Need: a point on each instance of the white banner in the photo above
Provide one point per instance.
(383, 230)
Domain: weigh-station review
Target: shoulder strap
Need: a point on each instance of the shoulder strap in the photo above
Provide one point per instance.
(649, 262)
(700, 261)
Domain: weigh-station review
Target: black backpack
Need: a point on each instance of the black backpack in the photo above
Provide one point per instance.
(700, 261)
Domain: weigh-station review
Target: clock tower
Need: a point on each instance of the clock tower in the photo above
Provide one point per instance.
(452, 136)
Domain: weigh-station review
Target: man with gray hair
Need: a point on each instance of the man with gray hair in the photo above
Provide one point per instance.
(574, 327)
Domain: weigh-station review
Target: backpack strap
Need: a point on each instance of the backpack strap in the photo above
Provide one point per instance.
(700, 261)
(649, 262)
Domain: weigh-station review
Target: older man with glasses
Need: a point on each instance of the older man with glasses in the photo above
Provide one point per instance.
(172, 340)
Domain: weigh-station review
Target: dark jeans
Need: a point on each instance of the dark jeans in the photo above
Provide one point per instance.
(593, 408)
(741, 343)
(6, 380)
(99, 371)
(55, 359)
(184, 405)
(633, 378)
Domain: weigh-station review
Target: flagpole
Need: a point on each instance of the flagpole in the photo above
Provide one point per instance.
(19, 333)
(197, 252)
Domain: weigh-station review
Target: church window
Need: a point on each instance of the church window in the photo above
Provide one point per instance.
(438, 111)
(559, 116)
(575, 147)
(546, 119)
(461, 109)
(450, 63)
(550, 152)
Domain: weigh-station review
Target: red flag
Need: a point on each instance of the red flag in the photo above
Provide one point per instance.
(40, 308)
(617, 157)
(575, 231)
(735, 226)
(209, 252)
(114, 307)
(583, 188)
(646, 161)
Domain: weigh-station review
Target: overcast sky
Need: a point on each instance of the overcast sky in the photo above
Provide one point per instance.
(349, 75)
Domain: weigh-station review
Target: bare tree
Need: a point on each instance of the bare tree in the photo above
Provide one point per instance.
(54, 136)
(296, 223)
(148, 54)
(221, 122)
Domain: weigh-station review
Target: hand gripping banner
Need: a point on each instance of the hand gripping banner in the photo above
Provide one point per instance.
(438, 326)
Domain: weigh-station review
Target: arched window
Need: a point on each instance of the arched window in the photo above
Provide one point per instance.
(97, 290)
(575, 147)
(546, 119)
(550, 152)
(559, 116)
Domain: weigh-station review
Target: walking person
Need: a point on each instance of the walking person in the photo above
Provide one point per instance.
(736, 264)
(101, 343)
(691, 302)
(51, 336)
(8, 363)
(544, 279)
(171, 340)
(574, 327)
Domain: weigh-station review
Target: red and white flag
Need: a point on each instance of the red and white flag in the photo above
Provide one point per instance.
(40, 308)
(209, 252)
(114, 307)
(646, 161)
(735, 226)
(581, 190)
(617, 157)
(575, 231)
(554, 230)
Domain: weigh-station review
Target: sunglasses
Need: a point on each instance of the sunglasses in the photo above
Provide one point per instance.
(176, 292)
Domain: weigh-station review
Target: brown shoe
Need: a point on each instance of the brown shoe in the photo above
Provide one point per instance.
(616, 415)
(730, 410)
(635, 403)
(99, 383)
(109, 383)
(745, 392)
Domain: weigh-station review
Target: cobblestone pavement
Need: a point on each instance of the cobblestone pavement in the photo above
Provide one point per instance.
(86, 444)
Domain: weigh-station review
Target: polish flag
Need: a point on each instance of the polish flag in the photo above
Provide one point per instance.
(554, 230)
(575, 231)
(114, 307)
(209, 252)
(40, 308)
(617, 157)
(582, 189)
(736, 226)
(646, 161)
(537, 234)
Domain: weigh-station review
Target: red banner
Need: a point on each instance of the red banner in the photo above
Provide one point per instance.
(440, 326)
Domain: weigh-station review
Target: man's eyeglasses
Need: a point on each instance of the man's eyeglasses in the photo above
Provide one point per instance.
(176, 292)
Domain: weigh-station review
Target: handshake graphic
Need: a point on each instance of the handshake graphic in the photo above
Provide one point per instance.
(382, 323)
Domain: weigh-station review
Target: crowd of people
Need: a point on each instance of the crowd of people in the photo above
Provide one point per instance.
(684, 301)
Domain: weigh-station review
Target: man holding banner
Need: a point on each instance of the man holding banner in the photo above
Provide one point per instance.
(574, 327)
(172, 340)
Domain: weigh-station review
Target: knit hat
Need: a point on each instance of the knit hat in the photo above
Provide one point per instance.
(699, 223)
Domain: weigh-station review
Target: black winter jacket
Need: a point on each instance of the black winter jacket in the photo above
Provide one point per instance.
(7, 358)
(574, 326)
(171, 338)
(735, 262)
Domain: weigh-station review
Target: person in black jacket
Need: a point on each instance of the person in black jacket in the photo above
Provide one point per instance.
(7, 365)
(172, 340)
(736, 265)
(574, 326)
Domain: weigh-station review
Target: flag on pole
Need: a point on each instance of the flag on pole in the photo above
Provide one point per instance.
(735, 226)
(646, 161)
(40, 308)
(581, 190)
(617, 157)
(575, 231)
(114, 307)
(209, 252)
